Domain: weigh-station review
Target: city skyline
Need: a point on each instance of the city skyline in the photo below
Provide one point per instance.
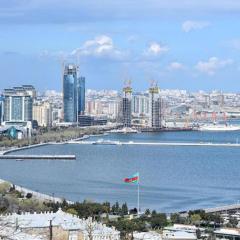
(180, 45)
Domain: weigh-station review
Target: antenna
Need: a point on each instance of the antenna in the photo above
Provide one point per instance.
(153, 83)
(127, 83)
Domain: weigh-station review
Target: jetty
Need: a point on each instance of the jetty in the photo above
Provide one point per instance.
(37, 157)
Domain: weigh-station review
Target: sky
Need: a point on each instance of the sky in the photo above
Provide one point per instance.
(184, 44)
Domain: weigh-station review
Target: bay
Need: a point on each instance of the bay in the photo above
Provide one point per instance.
(172, 178)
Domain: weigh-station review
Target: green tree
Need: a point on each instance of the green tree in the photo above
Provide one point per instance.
(115, 208)
(124, 210)
(147, 212)
(158, 220)
(72, 211)
(233, 222)
(175, 218)
(195, 219)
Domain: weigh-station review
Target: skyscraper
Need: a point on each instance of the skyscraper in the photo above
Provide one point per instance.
(155, 120)
(73, 93)
(81, 95)
(69, 93)
(18, 105)
(126, 106)
(1, 109)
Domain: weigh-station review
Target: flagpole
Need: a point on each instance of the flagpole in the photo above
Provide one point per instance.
(138, 190)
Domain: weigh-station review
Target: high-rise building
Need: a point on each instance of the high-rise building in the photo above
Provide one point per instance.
(126, 106)
(42, 113)
(1, 109)
(81, 95)
(30, 90)
(70, 93)
(140, 104)
(73, 93)
(155, 120)
(18, 105)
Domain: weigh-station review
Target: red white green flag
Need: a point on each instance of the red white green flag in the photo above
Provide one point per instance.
(133, 179)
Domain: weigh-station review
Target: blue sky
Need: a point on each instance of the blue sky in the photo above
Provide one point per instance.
(185, 44)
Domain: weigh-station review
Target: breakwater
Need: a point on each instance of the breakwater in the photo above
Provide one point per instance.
(37, 157)
(195, 144)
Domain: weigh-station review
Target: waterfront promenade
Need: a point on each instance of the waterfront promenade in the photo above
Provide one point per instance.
(225, 208)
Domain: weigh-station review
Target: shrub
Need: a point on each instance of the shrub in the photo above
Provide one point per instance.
(29, 195)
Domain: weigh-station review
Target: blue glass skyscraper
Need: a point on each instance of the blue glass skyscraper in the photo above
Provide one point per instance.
(73, 93)
(69, 93)
(81, 95)
(1, 109)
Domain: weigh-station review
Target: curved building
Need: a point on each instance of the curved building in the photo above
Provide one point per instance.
(69, 93)
(73, 93)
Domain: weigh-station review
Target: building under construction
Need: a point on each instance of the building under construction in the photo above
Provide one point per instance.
(155, 120)
(126, 106)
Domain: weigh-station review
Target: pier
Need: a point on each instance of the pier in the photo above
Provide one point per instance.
(37, 157)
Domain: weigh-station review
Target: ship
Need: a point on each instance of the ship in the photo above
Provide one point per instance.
(106, 142)
(124, 130)
(219, 127)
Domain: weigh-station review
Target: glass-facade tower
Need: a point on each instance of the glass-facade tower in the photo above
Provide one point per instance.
(69, 93)
(73, 93)
(81, 95)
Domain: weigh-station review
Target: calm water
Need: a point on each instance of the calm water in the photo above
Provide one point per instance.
(172, 178)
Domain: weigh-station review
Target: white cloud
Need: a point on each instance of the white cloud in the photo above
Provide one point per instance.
(212, 65)
(189, 26)
(235, 43)
(155, 49)
(100, 46)
(175, 66)
(132, 38)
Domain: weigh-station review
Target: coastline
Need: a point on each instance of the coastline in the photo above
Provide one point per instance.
(15, 149)
(38, 195)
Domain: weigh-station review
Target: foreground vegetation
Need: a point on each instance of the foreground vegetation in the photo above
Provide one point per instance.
(125, 220)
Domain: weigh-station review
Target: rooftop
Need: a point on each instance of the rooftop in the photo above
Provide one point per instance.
(60, 218)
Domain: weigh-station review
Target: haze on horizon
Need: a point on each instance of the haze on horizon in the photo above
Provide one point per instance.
(185, 44)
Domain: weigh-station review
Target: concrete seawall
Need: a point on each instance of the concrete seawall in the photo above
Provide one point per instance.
(203, 144)
(37, 157)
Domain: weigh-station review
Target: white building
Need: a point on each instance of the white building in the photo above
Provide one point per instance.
(61, 225)
(147, 236)
(227, 233)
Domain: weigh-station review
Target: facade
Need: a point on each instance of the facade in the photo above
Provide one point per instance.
(227, 233)
(73, 93)
(81, 95)
(126, 107)
(86, 120)
(155, 120)
(42, 113)
(1, 109)
(60, 225)
(69, 93)
(140, 104)
(31, 91)
(18, 105)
